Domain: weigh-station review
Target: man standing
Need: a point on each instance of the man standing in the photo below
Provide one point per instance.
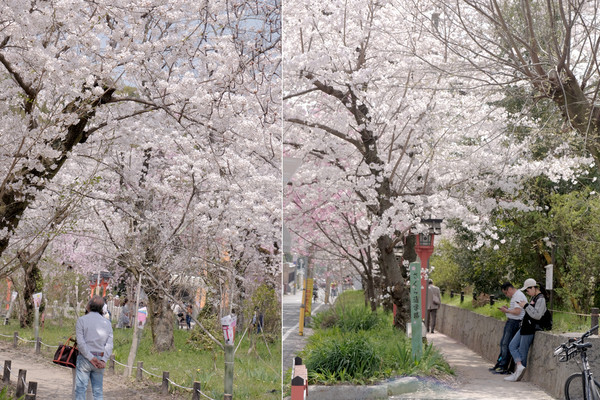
(95, 344)
(434, 299)
(514, 314)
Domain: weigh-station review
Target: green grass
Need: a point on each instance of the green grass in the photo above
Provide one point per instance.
(256, 375)
(352, 344)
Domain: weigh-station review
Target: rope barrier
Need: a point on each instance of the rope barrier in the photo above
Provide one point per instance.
(150, 373)
(8, 336)
(48, 345)
(200, 391)
(570, 313)
(25, 340)
(179, 386)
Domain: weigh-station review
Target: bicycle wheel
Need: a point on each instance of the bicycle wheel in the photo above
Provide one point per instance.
(574, 388)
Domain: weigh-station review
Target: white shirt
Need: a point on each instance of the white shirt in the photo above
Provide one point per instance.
(94, 334)
(516, 298)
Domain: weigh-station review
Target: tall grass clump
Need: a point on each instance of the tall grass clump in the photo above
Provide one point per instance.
(337, 357)
(353, 344)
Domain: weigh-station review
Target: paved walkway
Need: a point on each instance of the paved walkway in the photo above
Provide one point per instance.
(473, 380)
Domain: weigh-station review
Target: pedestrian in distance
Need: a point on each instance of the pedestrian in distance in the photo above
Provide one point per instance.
(434, 299)
(514, 315)
(95, 343)
(520, 343)
(188, 316)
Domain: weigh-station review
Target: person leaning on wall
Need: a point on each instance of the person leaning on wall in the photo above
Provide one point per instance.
(514, 315)
(534, 311)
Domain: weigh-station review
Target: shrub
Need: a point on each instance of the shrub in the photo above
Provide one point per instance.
(343, 357)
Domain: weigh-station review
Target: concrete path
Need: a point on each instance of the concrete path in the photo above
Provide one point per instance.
(293, 343)
(473, 380)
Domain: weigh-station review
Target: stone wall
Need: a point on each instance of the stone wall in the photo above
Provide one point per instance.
(482, 334)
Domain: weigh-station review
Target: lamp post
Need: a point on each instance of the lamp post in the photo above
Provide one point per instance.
(424, 249)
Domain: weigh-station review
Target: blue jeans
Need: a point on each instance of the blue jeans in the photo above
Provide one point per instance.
(510, 329)
(84, 372)
(519, 347)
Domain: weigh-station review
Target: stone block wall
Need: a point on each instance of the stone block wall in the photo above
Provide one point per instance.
(482, 334)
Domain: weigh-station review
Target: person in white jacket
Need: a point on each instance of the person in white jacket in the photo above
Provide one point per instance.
(95, 344)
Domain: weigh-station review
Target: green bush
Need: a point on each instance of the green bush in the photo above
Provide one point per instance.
(353, 344)
(349, 314)
(343, 357)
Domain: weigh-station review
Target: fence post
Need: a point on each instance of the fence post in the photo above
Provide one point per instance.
(197, 389)
(6, 376)
(452, 294)
(462, 296)
(139, 370)
(111, 364)
(31, 391)
(165, 383)
(15, 339)
(594, 320)
(491, 299)
(38, 345)
(21, 383)
(229, 360)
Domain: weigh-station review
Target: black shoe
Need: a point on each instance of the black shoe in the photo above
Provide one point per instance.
(500, 371)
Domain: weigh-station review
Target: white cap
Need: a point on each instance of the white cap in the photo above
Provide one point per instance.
(529, 283)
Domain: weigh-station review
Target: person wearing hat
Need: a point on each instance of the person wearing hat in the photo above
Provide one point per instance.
(534, 311)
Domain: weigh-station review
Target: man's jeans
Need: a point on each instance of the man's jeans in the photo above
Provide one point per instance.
(510, 329)
(84, 372)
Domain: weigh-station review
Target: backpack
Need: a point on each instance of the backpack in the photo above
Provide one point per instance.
(545, 322)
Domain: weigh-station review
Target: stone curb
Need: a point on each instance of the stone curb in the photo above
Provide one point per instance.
(368, 392)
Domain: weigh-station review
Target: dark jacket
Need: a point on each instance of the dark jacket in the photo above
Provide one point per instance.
(534, 311)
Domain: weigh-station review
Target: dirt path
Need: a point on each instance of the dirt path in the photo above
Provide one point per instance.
(55, 382)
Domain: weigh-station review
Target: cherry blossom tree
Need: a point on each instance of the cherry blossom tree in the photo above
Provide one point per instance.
(548, 47)
(172, 108)
(386, 137)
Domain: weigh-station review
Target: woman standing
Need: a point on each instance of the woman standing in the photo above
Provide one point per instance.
(534, 311)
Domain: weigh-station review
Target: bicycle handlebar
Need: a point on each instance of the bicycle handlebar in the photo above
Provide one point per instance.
(572, 346)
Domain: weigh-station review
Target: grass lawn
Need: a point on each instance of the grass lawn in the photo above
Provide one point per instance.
(256, 375)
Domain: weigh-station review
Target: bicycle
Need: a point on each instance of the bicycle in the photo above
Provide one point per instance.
(579, 386)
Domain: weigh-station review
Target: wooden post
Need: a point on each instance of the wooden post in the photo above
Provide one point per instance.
(111, 364)
(452, 294)
(229, 357)
(136, 332)
(164, 389)
(15, 339)
(196, 393)
(31, 391)
(462, 296)
(594, 320)
(36, 325)
(38, 345)
(491, 299)
(6, 375)
(10, 307)
(21, 383)
(140, 365)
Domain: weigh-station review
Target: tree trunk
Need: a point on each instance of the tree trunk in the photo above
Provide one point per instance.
(32, 283)
(161, 318)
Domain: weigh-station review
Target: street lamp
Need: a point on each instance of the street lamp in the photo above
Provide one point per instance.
(424, 249)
